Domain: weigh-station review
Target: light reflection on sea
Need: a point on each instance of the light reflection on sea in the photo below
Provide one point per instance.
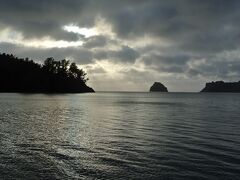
(120, 136)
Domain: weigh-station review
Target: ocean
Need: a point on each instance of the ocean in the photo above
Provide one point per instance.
(120, 136)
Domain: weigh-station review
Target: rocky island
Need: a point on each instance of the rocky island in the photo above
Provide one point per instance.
(221, 86)
(26, 76)
(158, 87)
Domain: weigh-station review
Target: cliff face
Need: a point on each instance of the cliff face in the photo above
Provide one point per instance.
(158, 87)
(220, 86)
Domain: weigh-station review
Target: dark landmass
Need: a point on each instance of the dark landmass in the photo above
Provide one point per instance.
(158, 87)
(27, 76)
(220, 86)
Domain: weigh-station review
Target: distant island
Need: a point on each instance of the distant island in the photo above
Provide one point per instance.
(27, 76)
(158, 87)
(221, 86)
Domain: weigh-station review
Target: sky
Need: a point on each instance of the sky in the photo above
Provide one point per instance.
(129, 44)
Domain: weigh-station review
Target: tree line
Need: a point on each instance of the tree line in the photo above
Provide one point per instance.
(25, 75)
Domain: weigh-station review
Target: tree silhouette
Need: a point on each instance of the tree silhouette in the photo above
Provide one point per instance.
(24, 75)
(76, 73)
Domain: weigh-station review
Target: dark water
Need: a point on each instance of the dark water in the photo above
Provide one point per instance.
(120, 136)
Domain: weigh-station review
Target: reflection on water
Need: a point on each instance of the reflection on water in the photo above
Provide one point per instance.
(120, 136)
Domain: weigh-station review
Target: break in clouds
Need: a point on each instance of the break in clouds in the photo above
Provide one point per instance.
(129, 44)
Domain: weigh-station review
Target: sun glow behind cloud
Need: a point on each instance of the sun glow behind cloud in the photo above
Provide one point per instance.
(86, 32)
(9, 35)
(49, 43)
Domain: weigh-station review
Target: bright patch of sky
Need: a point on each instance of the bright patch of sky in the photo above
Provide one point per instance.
(86, 32)
(14, 37)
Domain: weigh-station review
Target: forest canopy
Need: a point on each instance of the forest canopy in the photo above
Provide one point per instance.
(24, 75)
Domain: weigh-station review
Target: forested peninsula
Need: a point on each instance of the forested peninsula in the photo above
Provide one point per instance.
(221, 86)
(27, 76)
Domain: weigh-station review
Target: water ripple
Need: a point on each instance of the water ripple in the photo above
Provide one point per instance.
(120, 136)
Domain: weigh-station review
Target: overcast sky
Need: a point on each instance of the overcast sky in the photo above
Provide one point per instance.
(129, 44)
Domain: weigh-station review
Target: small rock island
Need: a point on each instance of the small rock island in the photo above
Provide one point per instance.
(221, 86)
(158, 87)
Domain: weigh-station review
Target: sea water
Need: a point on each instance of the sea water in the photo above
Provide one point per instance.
(120, 136)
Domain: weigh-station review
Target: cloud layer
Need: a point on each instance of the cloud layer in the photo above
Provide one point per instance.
(181, 43)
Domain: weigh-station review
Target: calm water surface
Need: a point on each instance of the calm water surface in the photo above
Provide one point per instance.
(120, 136)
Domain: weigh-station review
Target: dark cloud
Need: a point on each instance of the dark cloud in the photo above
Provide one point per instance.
(164, 59)
(222, 69)
(80, 55)
(77, 54)
(208, 26)
(41, 18)
(211, 25)
(95, 41)
(100, 55)
(169, 64)
(125, 54)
